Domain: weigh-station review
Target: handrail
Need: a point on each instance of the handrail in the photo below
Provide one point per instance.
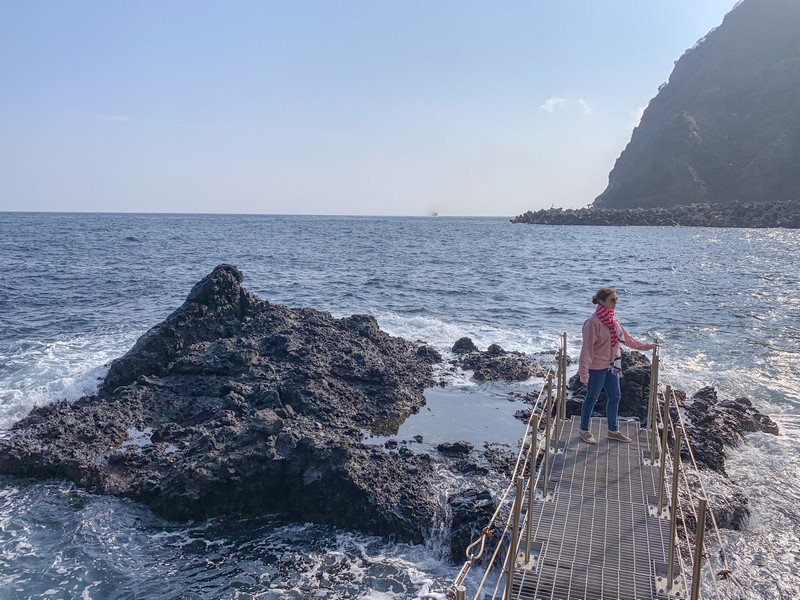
(702, 487)
(489, 529)
(679, 431)
(526, 460)
(659, 420)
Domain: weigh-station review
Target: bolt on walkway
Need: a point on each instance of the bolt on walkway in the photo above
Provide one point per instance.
(596, 533)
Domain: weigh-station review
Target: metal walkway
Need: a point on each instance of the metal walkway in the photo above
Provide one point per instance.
(596, 535)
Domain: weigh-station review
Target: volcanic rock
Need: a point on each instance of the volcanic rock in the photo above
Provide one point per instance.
(497, 364)
(464, 345)
(472, 510)
(460, 447)
(237, 405)
(716, 425)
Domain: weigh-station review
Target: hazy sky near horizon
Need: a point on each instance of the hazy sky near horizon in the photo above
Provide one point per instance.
(327, 107)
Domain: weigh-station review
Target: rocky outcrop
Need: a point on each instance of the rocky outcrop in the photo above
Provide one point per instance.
(471, 510)
(725, 128)
(455, 448)
(464, 345)
(495, 364)
(717, 425)
(236, 405)
(772, 213)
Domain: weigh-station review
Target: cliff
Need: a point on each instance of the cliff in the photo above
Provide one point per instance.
(726, 127)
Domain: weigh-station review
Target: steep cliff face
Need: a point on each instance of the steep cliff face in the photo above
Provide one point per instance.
(726, 127)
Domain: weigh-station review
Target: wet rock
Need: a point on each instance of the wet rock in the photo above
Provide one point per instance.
(500, 457)
(495, 350)
(497, 364)
(726, 500)
(716, 425)
(767, 213)
(472, 510)
(237, 405)
(452, 448)
(523, 415)
(429, 354)
(464, 345)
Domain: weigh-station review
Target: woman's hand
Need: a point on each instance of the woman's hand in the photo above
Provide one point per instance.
(584, 380)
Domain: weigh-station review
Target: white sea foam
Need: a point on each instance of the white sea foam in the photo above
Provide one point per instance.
(764, 557)
(442, 334)
(41, 372)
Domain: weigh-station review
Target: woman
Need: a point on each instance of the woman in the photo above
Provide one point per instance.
(600, 364)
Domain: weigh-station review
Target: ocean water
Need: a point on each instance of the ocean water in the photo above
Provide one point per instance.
(77, 290)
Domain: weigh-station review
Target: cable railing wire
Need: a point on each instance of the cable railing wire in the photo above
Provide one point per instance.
(725, 572)
(526, 462)
(489, 529)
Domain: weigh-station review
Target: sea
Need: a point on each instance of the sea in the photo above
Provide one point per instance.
(77, 290)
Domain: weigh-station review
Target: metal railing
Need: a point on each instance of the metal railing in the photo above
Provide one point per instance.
(548, 409)
(664, 423)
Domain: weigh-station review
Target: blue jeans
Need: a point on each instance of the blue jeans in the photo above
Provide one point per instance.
(600, 379)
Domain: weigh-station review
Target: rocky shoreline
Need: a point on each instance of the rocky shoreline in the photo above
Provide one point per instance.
(738, 214)
(234, 405)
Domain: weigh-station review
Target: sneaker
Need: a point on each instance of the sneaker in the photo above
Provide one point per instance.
(619, 436)
(587, 437)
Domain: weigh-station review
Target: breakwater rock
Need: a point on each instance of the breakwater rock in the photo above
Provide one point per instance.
(237, 405)
(737, 214)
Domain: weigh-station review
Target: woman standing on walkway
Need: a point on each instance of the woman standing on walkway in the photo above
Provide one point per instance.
(600, 364)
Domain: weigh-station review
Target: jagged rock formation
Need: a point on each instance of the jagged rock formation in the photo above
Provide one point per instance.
(495, 364)
(236, 405)
(725, 128)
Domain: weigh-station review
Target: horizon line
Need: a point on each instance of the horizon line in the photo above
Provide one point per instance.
(246, 214)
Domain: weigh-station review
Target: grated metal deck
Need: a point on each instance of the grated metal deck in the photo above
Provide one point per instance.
(593, 537)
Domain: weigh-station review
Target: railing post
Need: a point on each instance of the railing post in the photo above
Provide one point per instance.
(564, 376)
(531, 486)
(649, 421)
(512, 552)
(652, 409)
(676, 462)
(664, 436)
(548, 410)
(698, 549)
(558, 398)
(461, 593)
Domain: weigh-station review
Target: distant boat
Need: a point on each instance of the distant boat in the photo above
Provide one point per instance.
(434, 214)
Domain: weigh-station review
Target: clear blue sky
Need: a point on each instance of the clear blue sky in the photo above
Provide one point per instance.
(327, 107)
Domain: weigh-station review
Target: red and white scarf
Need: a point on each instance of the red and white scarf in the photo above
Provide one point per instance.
(617, 334)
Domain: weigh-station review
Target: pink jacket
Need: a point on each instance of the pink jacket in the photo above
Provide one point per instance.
(596, 352)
